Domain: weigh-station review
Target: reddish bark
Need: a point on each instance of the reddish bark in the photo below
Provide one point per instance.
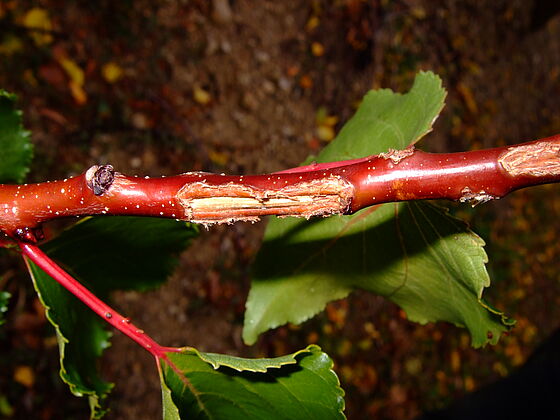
(323, 189)
(314, 190)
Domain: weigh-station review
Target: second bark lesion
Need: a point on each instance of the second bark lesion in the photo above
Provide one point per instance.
(537, 159)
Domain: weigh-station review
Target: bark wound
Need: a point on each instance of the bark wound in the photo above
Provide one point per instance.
(475, 198)
(100, 178)
(397, 155)
(537, 159)
(231, 202)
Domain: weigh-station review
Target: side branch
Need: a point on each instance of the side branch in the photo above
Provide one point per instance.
(33, 253)
(314, 190)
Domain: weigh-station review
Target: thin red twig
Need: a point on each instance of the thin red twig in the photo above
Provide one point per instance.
(121, 323)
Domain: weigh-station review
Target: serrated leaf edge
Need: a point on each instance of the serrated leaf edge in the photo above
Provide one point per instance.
(440, 86)
(312, 348)
(480, 243)
(23, 132)
(274, 362)
(97, 411)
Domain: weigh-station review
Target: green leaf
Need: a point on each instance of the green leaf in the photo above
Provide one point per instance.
(81, 339)
(121, 253)
(15, 149)
(386, 119)
(6, 408)
(413, 253)
(4, 297)
(241, 364)
(170, 410)
(106, 254)
(305, 388)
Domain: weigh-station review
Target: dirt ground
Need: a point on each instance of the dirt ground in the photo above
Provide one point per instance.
(242, 87)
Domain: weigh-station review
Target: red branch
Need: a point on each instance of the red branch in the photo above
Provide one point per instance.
(314, 190)
(95, 304)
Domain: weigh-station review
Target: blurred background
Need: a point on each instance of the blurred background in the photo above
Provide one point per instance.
(239, 86)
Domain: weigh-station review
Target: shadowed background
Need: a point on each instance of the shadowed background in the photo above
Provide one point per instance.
(157, 88)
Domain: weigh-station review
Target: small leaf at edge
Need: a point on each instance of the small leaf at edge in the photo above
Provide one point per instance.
(16, 150)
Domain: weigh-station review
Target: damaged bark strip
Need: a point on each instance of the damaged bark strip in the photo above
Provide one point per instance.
(196, 196)
(540, 159)
(313, 190)
(232, 201)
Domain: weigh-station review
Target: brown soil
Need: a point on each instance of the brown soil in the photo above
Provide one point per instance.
(235, 87)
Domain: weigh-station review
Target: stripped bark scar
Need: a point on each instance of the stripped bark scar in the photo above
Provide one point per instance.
(537, 159)
(481, 197)
(397, 155)
(231, 202)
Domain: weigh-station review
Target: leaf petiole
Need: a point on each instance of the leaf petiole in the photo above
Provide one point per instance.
(121, 323)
